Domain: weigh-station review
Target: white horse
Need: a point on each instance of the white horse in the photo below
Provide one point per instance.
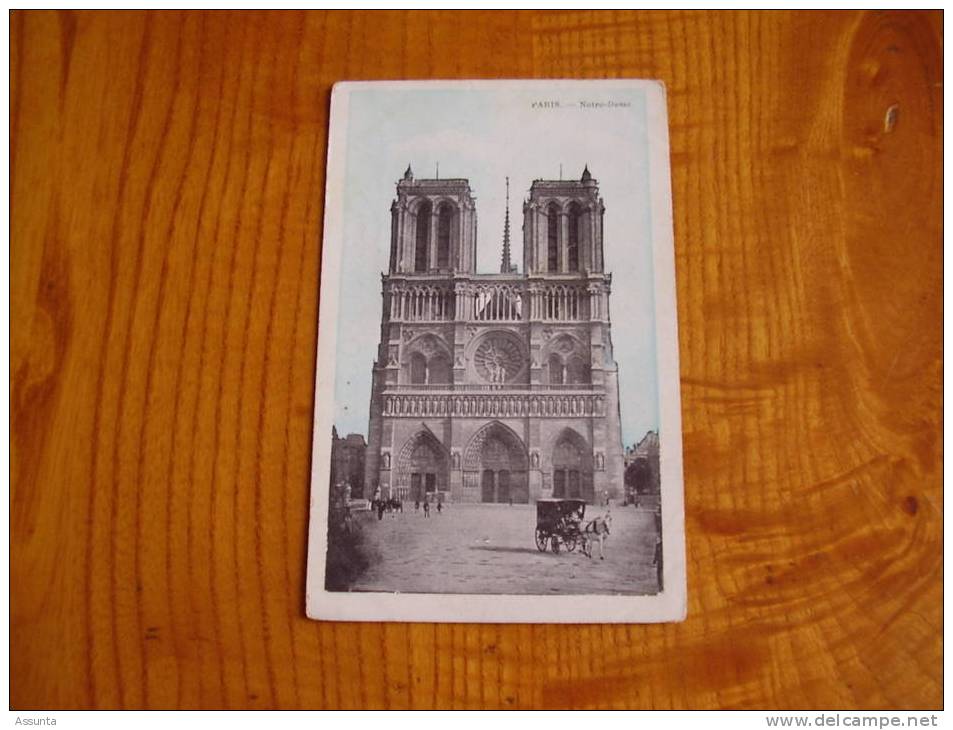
(597, 529)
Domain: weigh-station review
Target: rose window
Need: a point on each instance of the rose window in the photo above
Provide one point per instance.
(499, 359)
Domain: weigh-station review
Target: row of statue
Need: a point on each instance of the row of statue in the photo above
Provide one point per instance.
(515, 405)
(600, 462)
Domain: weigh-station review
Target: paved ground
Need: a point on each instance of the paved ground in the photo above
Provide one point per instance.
(491, 549)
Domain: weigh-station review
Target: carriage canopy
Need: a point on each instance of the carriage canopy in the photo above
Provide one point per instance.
(549, 512)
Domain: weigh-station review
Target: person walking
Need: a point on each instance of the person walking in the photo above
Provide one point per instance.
(439, 506)
(426, 508)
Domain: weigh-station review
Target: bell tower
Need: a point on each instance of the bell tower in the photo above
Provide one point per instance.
(562, 227)
(433, 226)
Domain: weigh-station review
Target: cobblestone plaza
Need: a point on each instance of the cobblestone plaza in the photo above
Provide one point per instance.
(477, 548)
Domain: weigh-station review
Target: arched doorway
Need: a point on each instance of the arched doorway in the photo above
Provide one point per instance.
(422, 470)
(497, 458)
(572, 467)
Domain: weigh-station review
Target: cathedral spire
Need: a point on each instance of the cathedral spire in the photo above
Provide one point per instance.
(505, 266)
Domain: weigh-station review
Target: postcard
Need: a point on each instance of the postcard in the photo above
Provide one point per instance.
(497, 433)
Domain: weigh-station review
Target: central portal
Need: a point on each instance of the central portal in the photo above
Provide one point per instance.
(497, 455)
(496, 485)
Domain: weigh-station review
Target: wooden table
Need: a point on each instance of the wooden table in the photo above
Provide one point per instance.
(167, 187)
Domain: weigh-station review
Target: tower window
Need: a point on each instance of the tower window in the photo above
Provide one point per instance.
(418, 369)
(556, 372)
(553, 238)
(444, 218)
(439, 371)
(423, 237)
(393, 242)
(574, 216)
(577, 371)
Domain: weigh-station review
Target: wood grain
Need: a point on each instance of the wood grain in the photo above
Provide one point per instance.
(167, 187)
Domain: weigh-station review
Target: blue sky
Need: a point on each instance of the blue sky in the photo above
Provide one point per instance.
(486, 135)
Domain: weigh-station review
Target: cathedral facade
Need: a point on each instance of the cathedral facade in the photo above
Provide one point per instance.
(495, 387)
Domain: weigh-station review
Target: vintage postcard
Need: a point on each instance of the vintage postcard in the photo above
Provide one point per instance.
(497, 434)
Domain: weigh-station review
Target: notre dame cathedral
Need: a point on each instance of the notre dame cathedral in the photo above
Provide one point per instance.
(495, 387)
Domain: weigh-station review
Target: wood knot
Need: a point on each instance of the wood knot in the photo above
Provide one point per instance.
(910, 505)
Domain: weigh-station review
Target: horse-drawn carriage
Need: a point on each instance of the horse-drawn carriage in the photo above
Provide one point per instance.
(558, 524)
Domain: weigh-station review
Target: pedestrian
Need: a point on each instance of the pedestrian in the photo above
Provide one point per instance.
(380, 510)
(417, 505)
(426, 508)
(657, 560)
(439, 507)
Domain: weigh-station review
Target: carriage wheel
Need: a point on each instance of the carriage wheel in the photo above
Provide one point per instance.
(570, 542)
(554, 543)
(540, 540)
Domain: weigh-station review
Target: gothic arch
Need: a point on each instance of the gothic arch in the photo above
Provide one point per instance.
(428, 345)
(567, 360)
(447, 216)
(443, 200)
(570, 466)
(566, 344)
(473, 452)
(430, 352)
(545, 204)
(574, 243)
(422, 466)
(567, 433)
(495, 462)
(423, 212)
(553, 236)
(419, 201)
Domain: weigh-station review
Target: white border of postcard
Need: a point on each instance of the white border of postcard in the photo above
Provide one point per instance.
(670, 605)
